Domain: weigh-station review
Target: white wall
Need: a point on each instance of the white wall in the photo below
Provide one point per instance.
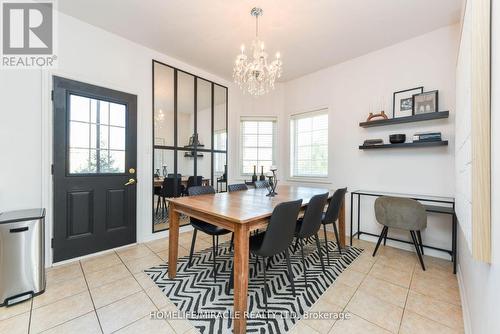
(354, 87)
(91, 55)
(479, 282)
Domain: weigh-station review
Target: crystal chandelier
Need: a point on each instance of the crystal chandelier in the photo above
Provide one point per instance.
(255, 75)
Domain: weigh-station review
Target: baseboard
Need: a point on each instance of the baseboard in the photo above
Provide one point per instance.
(463, 300)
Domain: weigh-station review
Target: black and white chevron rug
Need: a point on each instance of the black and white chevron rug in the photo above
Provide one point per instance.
(207, 305)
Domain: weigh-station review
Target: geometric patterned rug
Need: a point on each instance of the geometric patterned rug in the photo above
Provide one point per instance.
(207, 305)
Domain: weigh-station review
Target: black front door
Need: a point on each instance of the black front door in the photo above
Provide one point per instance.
(95, 154)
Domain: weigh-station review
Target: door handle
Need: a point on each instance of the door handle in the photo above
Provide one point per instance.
(130, 181)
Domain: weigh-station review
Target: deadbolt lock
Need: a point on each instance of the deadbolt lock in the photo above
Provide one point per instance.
(131, 171)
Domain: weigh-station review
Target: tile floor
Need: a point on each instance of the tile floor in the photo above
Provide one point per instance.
(110, 294)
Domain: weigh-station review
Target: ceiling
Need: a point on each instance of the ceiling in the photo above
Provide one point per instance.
(310, 34)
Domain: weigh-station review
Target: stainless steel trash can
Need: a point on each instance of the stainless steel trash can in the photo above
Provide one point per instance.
(22, 255)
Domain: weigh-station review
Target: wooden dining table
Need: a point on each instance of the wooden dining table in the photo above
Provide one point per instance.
(240, 212)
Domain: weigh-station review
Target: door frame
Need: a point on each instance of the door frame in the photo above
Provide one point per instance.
(47, 142)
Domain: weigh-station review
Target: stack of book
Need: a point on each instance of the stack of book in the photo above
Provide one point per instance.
(426, 137)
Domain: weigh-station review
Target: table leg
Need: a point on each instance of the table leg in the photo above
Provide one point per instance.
(240, 277)
(359, 212)
(342, 224)
(173, 240)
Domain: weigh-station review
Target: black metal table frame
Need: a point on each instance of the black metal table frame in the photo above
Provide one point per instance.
(434, 209)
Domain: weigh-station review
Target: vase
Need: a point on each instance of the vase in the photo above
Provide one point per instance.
(164, 172)
(262, 176)
(254, 176)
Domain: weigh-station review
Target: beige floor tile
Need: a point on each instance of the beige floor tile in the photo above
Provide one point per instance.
(363, 263)
(158, 245)
(384, 290)
(125, 311)
(301, 328)
(64, 272)
(447, 314)
(147, 325)
(111, 292)
(87, 324)
(322, 326)
(339, 294)
(108, 275)
(100, 262)
(432, 262)
(134, 252)
(351, 278)
(399, 262)
(375, 310)
(391, 275)
(15, 325)
(163, 255)
(445, 290)
(143, 263)
(61, 311)
(415, 324)
(157, 296)
(179, 325)
(8, 312)
(356, 325)
(144, 281)
(57, 291)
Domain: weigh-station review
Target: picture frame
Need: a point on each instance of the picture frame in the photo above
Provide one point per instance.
(426, 102)
(402, 101)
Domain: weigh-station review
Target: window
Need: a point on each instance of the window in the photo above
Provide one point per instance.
(309, 144)
(96, 136)
(258, 137)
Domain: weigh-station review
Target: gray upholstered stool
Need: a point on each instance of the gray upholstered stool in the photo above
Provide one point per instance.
(402, 213)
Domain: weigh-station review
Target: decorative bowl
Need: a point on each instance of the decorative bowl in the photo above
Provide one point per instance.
(397, 138)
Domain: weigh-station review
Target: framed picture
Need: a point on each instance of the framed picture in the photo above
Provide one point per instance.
(425, 102)
(402, 102)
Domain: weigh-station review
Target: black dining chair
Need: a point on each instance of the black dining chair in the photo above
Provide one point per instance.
(193, 181)
(237, 187)
(275, 240)
(170, 188)
(261, 184)
(331, 216)
(205, 227)
(308, 226)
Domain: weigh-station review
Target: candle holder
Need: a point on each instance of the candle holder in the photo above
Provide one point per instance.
(272, 183)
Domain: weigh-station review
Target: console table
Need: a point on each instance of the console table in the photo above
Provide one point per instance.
(435, 204)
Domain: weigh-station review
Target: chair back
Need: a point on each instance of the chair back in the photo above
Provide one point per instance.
(312, 217)
(333, 211)
(201, 190)
(281, 228)
(173, 175)
(261, 184)
(194, 181)
(237, 187)
(171, 187)
(399, 212)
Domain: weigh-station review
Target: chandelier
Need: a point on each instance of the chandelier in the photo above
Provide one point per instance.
(256, 75)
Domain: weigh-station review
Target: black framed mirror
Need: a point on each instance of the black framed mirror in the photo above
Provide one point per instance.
(190, 118)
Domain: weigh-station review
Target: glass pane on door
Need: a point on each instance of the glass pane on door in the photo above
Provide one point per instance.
(97, 136)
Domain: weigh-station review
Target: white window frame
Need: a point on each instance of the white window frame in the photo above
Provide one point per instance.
(293, 146)
(275, 136)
